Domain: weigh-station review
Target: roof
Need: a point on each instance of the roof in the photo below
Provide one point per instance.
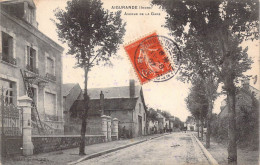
(113, 92)
(109, 104)
(66, 88)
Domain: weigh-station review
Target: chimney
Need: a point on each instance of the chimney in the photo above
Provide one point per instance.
(102, 103)
(132, 88)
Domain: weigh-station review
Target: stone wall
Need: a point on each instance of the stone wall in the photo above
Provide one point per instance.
(43, 144)
(93, 126)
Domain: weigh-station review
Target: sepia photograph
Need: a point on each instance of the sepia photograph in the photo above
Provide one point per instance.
(149, 82)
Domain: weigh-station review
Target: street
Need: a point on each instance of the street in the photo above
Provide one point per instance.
(175, 148)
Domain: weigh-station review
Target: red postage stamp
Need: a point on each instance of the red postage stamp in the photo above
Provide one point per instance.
(151, 58)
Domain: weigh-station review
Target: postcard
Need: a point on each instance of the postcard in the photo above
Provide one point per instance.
(129, 82)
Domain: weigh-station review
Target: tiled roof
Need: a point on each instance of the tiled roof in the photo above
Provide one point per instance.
(109, 104)
(113, 92)
(66, 88)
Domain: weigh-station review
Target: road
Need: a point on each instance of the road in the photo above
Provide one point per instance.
(175, 148)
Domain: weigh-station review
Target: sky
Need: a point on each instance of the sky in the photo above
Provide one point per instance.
(168, 95)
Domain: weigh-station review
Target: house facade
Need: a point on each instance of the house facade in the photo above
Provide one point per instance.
(161, 121)
(124, 103)
(30, 63)
(191, 124)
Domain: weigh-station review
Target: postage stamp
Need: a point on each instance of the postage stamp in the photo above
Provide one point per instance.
(154, 57)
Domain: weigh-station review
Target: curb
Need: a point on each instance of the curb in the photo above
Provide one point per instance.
(206, 152)
(112, 150)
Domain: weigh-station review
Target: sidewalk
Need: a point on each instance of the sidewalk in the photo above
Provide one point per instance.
(71, 155)
(219, 152)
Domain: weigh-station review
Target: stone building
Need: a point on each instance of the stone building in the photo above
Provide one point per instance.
(30, 61)
(124, 103)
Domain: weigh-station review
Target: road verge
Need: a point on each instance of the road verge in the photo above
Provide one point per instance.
(206, 152)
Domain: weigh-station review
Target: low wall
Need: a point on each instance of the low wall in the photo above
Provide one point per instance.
(93, 127)
(113, 137)
(50, 143)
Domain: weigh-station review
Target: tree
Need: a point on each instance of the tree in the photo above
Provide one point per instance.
(197, 102)
(221, 26)
(166, 114)
(93, 35)
(151, 115)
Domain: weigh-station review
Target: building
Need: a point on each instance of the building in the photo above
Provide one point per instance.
(30, 64)
(161, 121)
(124, 103)
(191, 124)
(153, 127)
(70, 92)
(244, 100)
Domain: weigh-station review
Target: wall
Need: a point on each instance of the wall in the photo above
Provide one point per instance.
(43, 144)
(137, 113)
(26, 35)
(124, 120)
(93, 127)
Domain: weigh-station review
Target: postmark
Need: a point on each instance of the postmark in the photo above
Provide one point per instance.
(154, 57)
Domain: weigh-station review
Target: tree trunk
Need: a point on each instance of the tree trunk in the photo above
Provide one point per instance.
(84, 116)
(198, 127)
(202, 126)
(209, 123)
(232, 146)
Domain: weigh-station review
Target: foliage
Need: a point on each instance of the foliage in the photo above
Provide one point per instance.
(177, 123)
(91, 32)
(219, 27)
(151, 114)
(93, 35)
(196, 101)
(166, 114)
(247, 122)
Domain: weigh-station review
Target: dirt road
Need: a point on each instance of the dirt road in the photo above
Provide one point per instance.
(176, 148)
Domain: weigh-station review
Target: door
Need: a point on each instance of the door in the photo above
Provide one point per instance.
(139, 125)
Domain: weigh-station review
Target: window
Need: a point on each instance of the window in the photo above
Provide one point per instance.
(9, 91)
(50, 66)
(144, 116)
(140, 107)
(31, 60)
(50, 106)
(31, 16)
(7, 48)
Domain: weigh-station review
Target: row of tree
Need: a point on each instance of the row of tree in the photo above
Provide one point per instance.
(210, 34)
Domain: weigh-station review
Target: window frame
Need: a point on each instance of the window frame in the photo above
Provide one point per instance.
(11, 57)
(32, 68)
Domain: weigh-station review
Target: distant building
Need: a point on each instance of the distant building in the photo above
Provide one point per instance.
(153, 127)
(70, 92)
(24, 48)
(161, 121)
(124, 103)
(244, 99)
(191, 124)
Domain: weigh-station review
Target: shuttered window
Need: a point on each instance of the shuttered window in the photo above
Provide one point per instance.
(50, 106)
